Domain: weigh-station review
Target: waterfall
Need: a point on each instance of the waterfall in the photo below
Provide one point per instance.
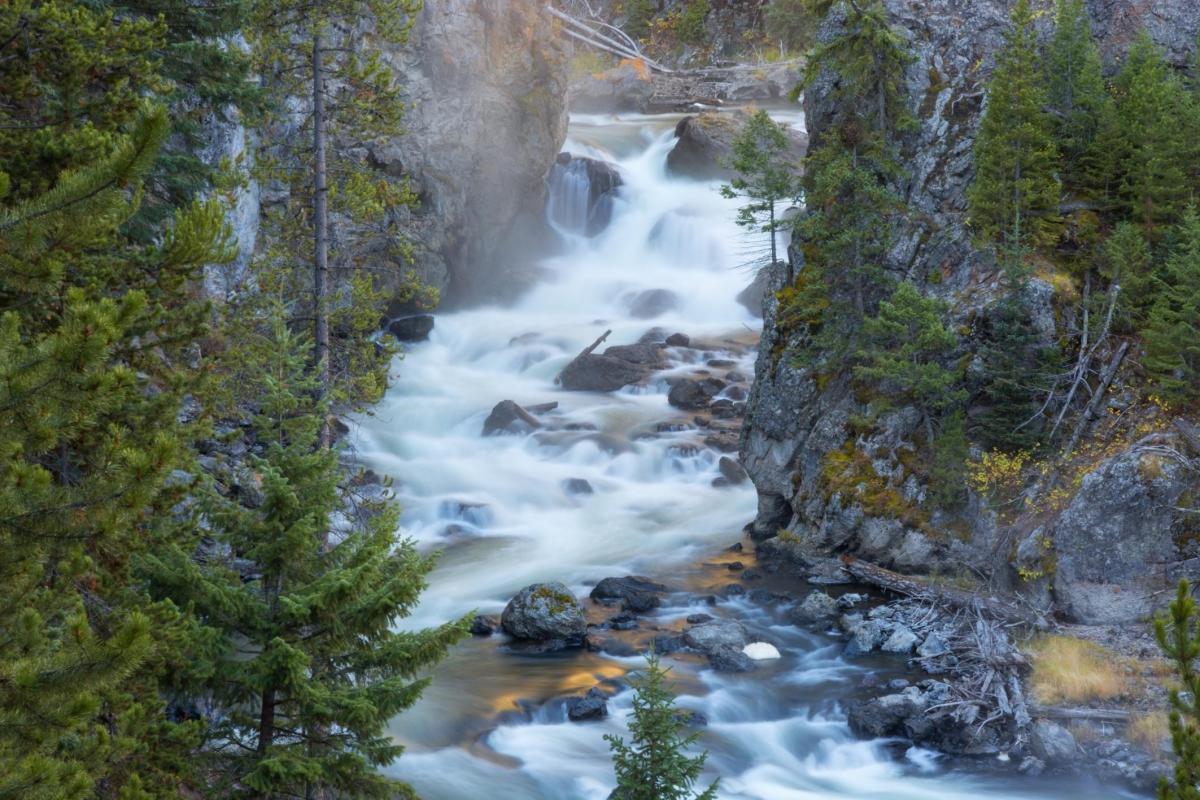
(490, 725)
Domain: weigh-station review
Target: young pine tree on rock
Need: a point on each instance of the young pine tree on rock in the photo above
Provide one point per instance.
(766, 176)
(653, 765)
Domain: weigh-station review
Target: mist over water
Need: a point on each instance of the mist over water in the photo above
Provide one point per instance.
(497, 508)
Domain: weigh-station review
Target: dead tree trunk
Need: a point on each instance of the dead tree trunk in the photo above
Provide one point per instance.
(321, 355)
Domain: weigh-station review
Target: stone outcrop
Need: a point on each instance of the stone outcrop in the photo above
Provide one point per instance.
(704, 143)
(546, 613)
(794, 423)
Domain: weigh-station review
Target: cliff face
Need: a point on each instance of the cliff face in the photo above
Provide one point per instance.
(485, 82)
(793, 425)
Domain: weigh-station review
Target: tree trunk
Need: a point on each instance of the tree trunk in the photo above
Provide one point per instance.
(320, 236)
(774, 256)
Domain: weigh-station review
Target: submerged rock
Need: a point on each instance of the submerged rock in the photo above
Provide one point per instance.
(577, 486)
(652, 303)
(484, 625)
(545, 612)
(693, 395)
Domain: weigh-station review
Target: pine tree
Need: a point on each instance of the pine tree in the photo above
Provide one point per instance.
(91, 337)
(1014, 197)
(638, 14)
(690, 27)
(1158, 137)
(653, 765)
(765, 176)
(1017, 372)
(353, 98)
(1127, 261)
(1178, 635)
(1172, 332)
(791, 23)
(303, 652)
(1076, 94)
(904, 349)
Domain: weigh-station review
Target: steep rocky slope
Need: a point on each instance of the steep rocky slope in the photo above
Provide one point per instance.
(1110, 537)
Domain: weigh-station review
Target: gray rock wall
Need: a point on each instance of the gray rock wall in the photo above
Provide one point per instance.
(1119, 520)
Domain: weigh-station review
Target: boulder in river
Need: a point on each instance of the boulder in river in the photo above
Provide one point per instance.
(633, 592)
(411, 329)
(577, 486)
(817, 607)
(545, 612)
(708, 637)
(593, 705)
(484, 625)
(704, 144)
(692, 395)
(581, 193)
(594, 373)
(644, 354)
(652, 303)
(731, 470)
(509, 417)
(679, 340)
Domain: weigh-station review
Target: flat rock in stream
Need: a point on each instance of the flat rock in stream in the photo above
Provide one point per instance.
(645, 354)
(693, 395)
(595, 373)
(634, 593)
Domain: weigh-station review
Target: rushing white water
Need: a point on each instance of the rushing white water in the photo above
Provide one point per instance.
(498, 509)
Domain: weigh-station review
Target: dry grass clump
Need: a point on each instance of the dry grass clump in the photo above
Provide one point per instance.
(1149, 731)
(1069, 670)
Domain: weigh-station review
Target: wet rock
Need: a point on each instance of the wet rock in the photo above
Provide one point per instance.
(864, 637)
(577, 486)
(735, 566)
(545, 612)
(723, 409)
(850, 600)
(693, 395)
(593, 705)
(622, 622)
(689, 717)
(901, 641)
(669, 643)
(697, 619)
(602, 180)
(1032, 766)
(734, 590)
(933, 646)
(411, 329)
(508, 417)
(645, 354)
(679, 340)
(886, 715)
(484, 625)
(1051, 742)
(736, 547)
(708, 637)
(476, 514)
(817, 607)
(634, 593)
(596, 373)
(655, 335)
(735, 377)
(652, 303)
(731, 470)
(730, 660)
(721, 363)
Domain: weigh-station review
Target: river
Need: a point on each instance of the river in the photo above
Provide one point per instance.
(493, 724)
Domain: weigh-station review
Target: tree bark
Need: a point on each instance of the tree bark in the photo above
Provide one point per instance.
(320, 236)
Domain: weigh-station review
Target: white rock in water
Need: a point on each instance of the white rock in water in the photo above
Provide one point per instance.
(761, 651)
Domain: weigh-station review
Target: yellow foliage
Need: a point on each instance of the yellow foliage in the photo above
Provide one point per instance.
(998, 475)
(1149, 731)
(1070, 670)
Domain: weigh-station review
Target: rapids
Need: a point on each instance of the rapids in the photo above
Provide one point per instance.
(493, 725)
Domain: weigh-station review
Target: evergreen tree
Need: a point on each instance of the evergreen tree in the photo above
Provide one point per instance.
(1014, 198)
(353, 99)
(1157, 138)
(1127, 261)
(92, 335)
(653, 765)
(1172, 332)
(765, 176)
(690, 28)
(791, 23)
(638, 14)
(1017, 372)
(1076, 94)
(1178, 635)
(947, 485)
(904, 347)
(303, 652)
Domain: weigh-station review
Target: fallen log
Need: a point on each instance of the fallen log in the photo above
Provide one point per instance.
(1090, 714)
(999, 608)
(587, 351)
